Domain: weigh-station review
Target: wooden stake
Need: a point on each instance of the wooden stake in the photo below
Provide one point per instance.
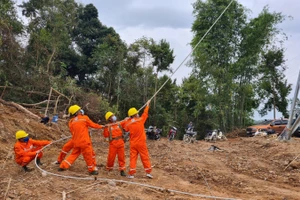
(8, 186)
(55, 108)
(61, 94)
(48, 102)
(64, 195)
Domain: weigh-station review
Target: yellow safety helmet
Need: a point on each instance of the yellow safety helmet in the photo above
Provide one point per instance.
(108, 115)
(132, 111)
(21, 134)
(74, 109)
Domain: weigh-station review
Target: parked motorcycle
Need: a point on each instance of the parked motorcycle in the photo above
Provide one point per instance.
(213, 136)
(153, 133)
(220, 135)
(190, 135)
(172, 133)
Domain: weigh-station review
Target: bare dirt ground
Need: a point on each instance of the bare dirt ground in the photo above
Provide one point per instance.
(246, 168)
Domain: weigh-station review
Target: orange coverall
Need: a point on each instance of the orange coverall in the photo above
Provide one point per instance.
(79, 128)
(25, 152)
(138, 142)
(116, 145)
(65, 150)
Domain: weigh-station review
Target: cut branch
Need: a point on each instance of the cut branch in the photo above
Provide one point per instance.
(19, 107)
(8, 186)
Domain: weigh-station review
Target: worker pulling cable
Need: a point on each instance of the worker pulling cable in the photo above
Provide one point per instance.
(44, 172)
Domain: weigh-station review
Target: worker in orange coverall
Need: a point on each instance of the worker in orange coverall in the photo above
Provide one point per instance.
(135, 126)
(68, 147)
(26, 150)
(65, 150)
(113, 132)
(79, 128)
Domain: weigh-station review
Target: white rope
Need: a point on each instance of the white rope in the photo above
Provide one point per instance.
(44, 172)
(136, 183)
(189, 53)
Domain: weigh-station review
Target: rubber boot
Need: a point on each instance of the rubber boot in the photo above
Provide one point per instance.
(61, 169)
(26, 169)
(122, 173)
(94, 173)
(38, 162)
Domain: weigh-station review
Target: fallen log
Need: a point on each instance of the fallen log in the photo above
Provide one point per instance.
(19, 107)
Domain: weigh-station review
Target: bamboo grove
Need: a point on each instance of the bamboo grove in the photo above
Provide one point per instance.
(63, 45)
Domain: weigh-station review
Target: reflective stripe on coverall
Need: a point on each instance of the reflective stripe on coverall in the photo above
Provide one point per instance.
(116, 145)
(26, 152)
(138, 142)
(81, 142)
(66, 149)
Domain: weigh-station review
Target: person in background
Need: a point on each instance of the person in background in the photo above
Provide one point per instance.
(79, 125)
(138, 146)
(113, 132)
(26, 149)
(190, 126)
(45, 120)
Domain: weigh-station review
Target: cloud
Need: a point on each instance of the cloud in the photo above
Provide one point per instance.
(149, 14)
(172, 20)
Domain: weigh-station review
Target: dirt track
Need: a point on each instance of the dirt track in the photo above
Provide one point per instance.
(247, 168)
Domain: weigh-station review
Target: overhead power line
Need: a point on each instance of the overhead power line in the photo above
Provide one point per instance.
(189, 53)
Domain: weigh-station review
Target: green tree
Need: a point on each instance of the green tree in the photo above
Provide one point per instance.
(214, 58)
(273, 86)
(162, 58)
(88, 35)
(256, 35)
(226, 63)
(139, 56)
(109, 58)
(11, 53)
(49, 28)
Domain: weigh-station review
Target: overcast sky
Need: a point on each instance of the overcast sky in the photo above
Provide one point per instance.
(172, 20)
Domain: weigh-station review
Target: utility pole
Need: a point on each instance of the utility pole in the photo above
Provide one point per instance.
(290, 129)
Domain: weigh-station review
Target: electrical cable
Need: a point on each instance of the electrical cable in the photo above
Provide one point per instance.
(189, 53)
(136, 183)
(44, 172)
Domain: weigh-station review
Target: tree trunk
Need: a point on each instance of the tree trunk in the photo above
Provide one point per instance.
(274, 102)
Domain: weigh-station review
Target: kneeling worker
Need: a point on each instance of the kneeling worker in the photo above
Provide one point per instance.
(26, 149)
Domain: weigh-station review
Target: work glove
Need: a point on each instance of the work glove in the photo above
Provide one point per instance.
(37, 152)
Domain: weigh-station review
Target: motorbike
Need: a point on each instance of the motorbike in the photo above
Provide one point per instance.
(153, 133)
(220, 135)
(213, 136)
(190, 135)
(172, 133)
